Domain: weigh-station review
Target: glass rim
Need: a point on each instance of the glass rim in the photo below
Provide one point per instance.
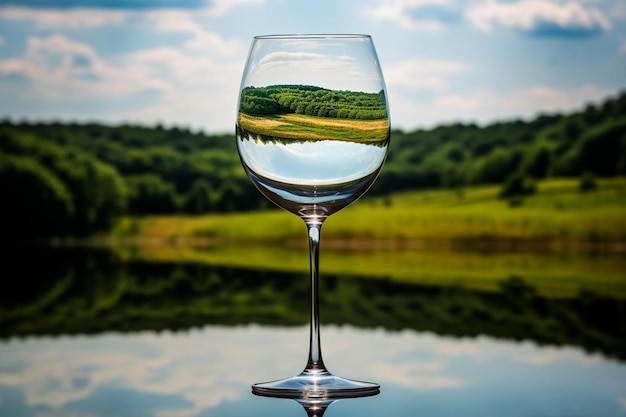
(314, 36)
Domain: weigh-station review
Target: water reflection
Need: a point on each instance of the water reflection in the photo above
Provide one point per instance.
(88, 333)
(208, 372)
(73, 291)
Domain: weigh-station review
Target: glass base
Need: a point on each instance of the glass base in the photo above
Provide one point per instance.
(315, 386)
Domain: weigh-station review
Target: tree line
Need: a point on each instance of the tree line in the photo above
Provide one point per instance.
(79, 179)
(312, 101)
(590, 142)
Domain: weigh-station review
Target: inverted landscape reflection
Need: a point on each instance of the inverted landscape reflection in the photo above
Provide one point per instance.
(96, 333)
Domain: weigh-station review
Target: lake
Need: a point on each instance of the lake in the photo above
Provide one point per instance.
(180, 332)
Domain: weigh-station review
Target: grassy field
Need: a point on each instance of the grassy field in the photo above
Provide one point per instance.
(298, 126)
(560, 241)
(558, 217)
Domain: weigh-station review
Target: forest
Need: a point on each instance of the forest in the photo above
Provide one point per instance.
(312, 101)
(79, 179)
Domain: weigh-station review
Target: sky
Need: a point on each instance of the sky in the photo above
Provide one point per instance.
(179, 62)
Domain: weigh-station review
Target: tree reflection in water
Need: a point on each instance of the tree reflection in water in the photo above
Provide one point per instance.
(69, 291)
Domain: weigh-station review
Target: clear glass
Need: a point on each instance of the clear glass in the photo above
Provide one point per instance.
(312, 134)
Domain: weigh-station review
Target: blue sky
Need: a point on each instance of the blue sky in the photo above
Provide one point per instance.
(180, 62)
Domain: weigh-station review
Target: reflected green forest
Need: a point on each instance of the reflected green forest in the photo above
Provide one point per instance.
(85, 291)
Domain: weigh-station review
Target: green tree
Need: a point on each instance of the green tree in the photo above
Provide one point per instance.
(517, 185)
(497, 166)
(537, 163)
(96, 189)
(37, 204)
(98, 192)
(573, 127)
(199, 200)
(150, 194)
(600, 148)
(587, 182)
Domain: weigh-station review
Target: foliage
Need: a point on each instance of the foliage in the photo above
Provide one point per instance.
(593, 139)
(99, 164)
(38, 203)
(537, 162)
(588, 182)
(133, 169)
(312, 101)
(149, 193)
(517, 185)
(94, 193)
(201, 199)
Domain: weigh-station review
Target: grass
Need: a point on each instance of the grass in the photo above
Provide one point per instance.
(558, 217)
(560, 240)
(298, 126)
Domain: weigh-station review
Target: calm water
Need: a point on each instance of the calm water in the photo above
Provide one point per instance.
(92, 334)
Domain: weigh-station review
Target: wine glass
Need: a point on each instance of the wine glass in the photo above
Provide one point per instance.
(312, 134)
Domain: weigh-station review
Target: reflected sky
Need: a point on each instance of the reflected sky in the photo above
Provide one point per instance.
(340, 64)
(208, 372)
(324, 162)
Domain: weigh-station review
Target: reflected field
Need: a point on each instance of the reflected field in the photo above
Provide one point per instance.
(67, 291)
(168, 331)
(554, 274)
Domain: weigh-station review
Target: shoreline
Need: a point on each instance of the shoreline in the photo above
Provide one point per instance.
(495, 245)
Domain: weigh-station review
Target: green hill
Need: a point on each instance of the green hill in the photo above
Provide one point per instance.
(90, 175)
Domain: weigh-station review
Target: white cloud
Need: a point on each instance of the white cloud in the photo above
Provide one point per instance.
(1, 41)
(185, 21)
(305, 63)
(202, 76)
(65, 18)
(203, 92)
(521, 101)
(222, 7)
(399, 12)
(193, 84)
(486, 106)
(192, 74)
(191, 88)
(541, 17)
(57, 67)
(304, 60)
(420, 74)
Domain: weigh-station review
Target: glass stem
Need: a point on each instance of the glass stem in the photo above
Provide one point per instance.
(315, 363)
